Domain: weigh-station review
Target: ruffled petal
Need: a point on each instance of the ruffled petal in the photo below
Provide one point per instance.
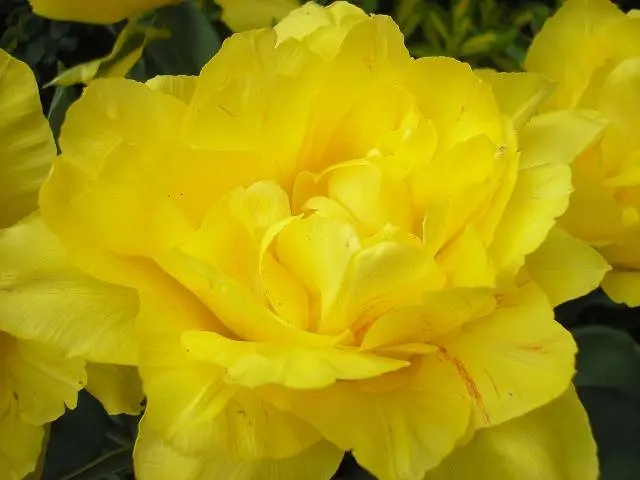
(192, 404)
(20, 446)
(565, 267)
(44, 298)
(395, 433)
(42, 381)
(513, 360)
(154, 459)
(623, 287)
(117, 387)
(27, 148)
(552, 442)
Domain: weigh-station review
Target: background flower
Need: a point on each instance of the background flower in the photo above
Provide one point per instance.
(237, 14)
(327, 238)
(592, 50)
(39, 377)
(109, 11)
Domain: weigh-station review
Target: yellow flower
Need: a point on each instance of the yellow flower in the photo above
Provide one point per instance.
(38, 376)
(332, 245)
(237, 14)
(29, 395)
(592, 50)
(107, 11)
(242, 15)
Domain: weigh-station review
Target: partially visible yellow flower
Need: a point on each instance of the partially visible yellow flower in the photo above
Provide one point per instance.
(106, 11)
(242, 15)
(239, 15)
(592, 50)
(30, 395)
(332, 246)
(39, 374)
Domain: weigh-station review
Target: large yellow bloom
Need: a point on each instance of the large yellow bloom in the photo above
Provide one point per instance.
(592, 51)
(40, 375)
(331, 245)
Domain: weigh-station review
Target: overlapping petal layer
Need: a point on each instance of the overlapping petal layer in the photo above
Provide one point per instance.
(52, 316)
(592, 51)
(331, 242)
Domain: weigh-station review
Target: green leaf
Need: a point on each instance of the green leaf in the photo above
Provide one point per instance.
(62, 99)
(77, 438)
(606, 358)
(487, 42)
(192, 43)
(614, 414)
(368, 6)
(126, 52)
(111, 463)
(460, 11)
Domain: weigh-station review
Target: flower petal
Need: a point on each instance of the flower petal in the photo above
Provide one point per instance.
(42, 381)
(118, 388)
(240, 15)
(623, 287)
(20, 446)
(256, 364)
(549, 143)
(552, 442)
(515, 359)
(27, 148)
(181, 87)
(565, 267)
(44, 298)
(154, 459)
(80, 11)
(191, 403)
(518, 94)
(395, 434)
(566, 39)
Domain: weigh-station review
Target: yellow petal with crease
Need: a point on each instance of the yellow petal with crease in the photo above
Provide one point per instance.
(44, 298)
(42, 381)
(27, 148)
(191, 403)
(623, 287)
(553, 442)
(567, 38)
(118, 388)
(441, 312)
(235, 306)
(518, 94)
(155, 459)
(401, 432)
(178, 86)
(513, 360)
(255, 364)
(565, 267)
(20, 446)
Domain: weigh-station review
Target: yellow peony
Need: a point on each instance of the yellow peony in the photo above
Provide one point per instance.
(336, 248)
(40, 375)
(592, 50)
(237, 14)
